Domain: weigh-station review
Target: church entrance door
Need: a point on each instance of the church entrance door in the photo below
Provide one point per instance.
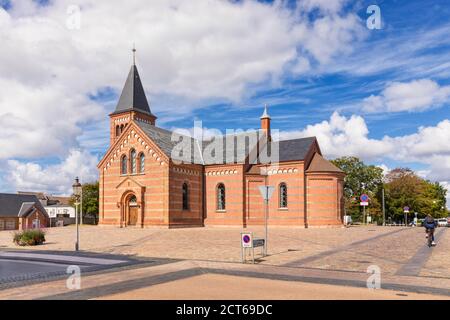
(132, 210)
(133, 216)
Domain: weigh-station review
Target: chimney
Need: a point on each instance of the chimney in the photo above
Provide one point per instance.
(265, 122)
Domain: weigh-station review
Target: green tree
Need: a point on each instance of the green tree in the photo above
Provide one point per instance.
(90, 199)
(405, 188)
(360, 178)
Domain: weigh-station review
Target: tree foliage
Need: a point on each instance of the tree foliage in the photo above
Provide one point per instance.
(402, 188)
(360, 178)
(90, 199)
(407, 189)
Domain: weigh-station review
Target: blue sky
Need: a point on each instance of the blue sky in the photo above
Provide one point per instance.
(314, 62)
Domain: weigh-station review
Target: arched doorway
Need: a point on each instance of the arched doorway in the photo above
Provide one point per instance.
(132, 210)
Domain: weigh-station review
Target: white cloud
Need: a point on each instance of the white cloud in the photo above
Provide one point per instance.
(55, 179)
(417, 95)
(323, 5)
(331, 35)
(42, 121)
(341, 136)
(385, 168)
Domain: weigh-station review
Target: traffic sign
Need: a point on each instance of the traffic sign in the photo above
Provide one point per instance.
(266, 192)
(364, 198)
(247, 240)
(364, 204)
(406, 209)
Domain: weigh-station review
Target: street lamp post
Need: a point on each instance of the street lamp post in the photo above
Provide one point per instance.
(384, 207)
(77, 192)
(363, 187)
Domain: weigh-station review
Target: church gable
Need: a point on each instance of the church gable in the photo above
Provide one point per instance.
(129, 183)
(133, 137)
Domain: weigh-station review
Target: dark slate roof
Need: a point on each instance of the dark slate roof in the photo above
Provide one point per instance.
(204, 152)
(292, 150)
(39, 195)
(14, 205)
(295, 149)
(234, 155)
(133, 95)
(163, 139)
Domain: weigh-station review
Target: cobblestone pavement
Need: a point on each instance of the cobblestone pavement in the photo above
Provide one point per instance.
(338, 256)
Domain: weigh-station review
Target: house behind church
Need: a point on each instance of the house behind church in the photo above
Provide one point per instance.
(21, 211)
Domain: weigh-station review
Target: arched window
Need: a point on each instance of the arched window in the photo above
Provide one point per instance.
(221, 197)
(133, 161)
(185, 196)
(283, 195)
(141, 162)
(123, 164)
(117, 131)
(133, 201)
(121, 128)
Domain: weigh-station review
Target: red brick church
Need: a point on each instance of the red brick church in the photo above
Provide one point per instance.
(144, 183)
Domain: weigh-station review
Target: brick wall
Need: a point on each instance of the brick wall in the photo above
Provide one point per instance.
(290, 174)
(232, 177)
(27, 222)
(324, 199)
(192, 175)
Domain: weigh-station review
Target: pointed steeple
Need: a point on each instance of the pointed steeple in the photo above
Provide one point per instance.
(265, 115)
(133, 96)
(265, 122)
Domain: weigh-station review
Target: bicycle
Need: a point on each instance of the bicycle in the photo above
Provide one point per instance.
(430, 233)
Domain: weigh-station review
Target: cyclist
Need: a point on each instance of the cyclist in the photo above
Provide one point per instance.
(430, 224)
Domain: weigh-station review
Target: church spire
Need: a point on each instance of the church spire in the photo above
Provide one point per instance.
(133, 96)
(265, 115)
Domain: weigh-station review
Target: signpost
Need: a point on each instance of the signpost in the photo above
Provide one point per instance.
(364, 203)
(248, 242)
(266, 193)
(406, 211)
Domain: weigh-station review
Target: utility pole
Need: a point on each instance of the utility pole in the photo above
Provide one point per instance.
(364, 214)
(81, 206)
(384, 209)
(266, 216)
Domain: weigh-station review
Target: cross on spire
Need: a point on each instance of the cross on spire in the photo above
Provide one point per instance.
(265, 114)
(134, 54)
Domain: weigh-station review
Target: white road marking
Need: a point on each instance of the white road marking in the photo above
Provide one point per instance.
(64, 258)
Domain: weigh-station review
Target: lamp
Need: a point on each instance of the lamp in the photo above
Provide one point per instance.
(77, 188)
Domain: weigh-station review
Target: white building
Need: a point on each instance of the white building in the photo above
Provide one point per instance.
(60, 210)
